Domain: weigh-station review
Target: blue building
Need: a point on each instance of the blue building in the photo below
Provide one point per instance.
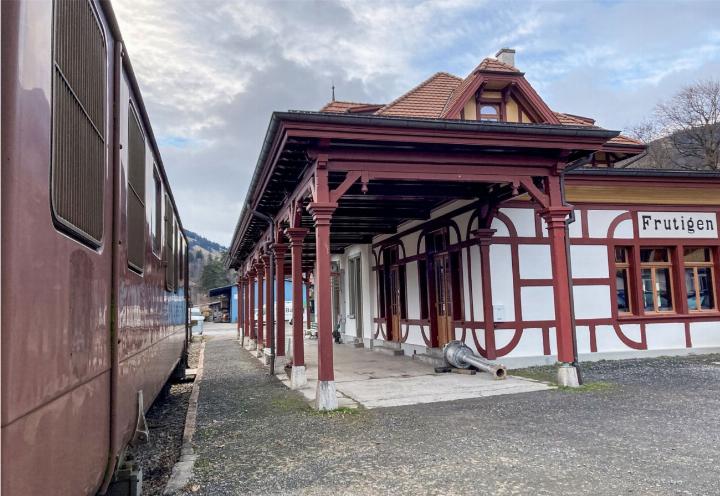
(227, 296)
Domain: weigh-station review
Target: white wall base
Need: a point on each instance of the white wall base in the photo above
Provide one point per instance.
(567, 376)
(326, 396)
(298, 377)
(251, 344)
(259, 352)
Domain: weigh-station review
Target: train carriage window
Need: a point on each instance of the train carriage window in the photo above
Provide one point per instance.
(169, 245)
(136, 193)
(78, 163)
(157, 215)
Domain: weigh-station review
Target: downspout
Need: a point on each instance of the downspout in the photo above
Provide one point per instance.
(570, 220)
(271, 281)
(114, 365)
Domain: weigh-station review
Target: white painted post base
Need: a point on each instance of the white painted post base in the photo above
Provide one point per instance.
(259, 352)
(280, 362)
(567, 376)
(251, 345)
(298, 378)
(325, 396)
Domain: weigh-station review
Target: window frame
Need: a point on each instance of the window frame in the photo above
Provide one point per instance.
(133, 114)
(61, 76)
(695, 266)
(626, 267)
(157, 229)
(653, 267)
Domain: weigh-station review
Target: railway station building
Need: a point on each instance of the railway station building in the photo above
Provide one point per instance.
(467, 209)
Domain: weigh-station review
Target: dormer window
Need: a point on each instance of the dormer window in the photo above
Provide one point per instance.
(489, 113)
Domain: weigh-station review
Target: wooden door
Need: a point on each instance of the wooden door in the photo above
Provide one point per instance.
(443, 299)
(394, 288)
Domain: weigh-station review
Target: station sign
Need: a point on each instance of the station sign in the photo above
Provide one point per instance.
(677, 224)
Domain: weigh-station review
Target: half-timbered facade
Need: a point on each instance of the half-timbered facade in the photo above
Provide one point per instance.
(468, 209)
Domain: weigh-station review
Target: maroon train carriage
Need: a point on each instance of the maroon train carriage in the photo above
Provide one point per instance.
(94, 258)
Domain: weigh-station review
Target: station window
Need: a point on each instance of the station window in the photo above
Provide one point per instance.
(699, 279)
(78, 127)
(489, 113)
(656, 275)
(355, 287)
(622, 280)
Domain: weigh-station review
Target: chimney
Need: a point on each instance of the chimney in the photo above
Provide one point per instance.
(506, 56)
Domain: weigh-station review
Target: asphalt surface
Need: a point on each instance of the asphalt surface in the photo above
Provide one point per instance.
(654, 430)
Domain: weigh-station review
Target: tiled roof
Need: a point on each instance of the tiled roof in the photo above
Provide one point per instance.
(494, 65)
(434, 96)
(339, 107)
(427, 99)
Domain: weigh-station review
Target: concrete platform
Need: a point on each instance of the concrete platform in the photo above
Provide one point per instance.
(376, 380)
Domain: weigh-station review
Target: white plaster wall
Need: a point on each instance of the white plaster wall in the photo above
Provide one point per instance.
(462, 221)
(535, 261)
(523, 219)
(589, 261)
(607, 340)
(412, 288)
(599, 221)
(476, 268)
(530, 344)
(501, 280)
(705, 334)
(537, 303)
(467, 304)
(592, 301)
(624, 230)
(410, 242)
(575, 229)
(665, 336)
(501, 229)
(582, 334)
(415, 336)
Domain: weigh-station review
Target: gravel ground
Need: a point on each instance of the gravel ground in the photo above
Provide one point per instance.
(166, 420)
(648, 427)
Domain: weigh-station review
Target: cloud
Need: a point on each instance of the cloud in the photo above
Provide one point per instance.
(212, 71)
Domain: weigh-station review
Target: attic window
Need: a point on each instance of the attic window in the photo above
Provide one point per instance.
(489, 113)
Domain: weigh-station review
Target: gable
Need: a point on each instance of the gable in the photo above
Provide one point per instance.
(495, 85)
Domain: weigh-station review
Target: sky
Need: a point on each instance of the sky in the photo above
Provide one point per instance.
(212, 71)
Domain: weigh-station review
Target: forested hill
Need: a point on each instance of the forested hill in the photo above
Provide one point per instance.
(196, 240)
(205, 264)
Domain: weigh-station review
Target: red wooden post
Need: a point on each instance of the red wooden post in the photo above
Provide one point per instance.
(246, 308)
(483, 236)
(260, 268)
(325, 395)
(555, 218)
(240, 303)
(251, 309)
(268, 300)
(280, 249)
(296, 235)
(308, 314)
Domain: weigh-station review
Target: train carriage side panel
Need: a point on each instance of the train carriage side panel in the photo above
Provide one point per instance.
(151, 318)
(55, 285)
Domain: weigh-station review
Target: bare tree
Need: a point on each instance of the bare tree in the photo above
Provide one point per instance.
(689, 125)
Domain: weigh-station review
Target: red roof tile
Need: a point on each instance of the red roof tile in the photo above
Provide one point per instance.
(339, 107)
(427, 99)
(494, 65)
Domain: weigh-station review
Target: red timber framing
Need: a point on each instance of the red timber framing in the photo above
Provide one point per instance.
(346, 179)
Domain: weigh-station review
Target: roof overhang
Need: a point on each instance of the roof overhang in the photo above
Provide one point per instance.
(291, 135)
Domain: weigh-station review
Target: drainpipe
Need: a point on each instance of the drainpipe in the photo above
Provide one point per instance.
(570, 220)
(271, 281)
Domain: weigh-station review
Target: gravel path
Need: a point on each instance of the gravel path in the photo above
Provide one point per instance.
(654, 429)
(166, 420)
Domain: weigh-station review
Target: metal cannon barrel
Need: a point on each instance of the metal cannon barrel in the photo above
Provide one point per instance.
(461, 356)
